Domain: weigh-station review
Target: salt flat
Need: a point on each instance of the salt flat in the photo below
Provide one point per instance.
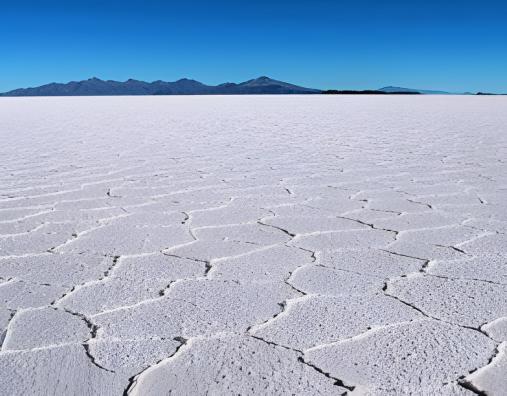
(253, 245)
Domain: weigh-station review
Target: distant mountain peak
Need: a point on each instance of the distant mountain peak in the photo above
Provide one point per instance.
(263, 79)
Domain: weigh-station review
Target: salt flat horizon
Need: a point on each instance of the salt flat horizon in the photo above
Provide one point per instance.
(260, 244)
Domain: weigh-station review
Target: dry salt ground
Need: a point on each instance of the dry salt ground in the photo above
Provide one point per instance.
(274, 245)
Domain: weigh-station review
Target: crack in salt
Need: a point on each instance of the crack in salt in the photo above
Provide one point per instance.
(469, 384)
(134, 380)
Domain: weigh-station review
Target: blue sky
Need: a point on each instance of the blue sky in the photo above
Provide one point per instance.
(451, 45)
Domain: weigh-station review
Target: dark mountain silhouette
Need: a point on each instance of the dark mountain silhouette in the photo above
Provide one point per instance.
(367, 92)
(489, 94)
(391, 89)
(97, 87)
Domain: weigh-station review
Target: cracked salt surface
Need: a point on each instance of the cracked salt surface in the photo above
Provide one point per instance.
(253, 245)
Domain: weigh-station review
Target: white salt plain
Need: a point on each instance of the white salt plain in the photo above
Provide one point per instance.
(253, 245)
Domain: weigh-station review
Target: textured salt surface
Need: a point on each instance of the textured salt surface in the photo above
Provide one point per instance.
(253, 245)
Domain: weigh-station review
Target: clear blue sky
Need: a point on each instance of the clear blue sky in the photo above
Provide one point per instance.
(450, 45)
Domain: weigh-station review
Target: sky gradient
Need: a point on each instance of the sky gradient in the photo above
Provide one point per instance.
(451, 45)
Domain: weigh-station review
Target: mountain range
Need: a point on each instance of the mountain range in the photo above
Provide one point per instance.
(97, 87)
(257, 86)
